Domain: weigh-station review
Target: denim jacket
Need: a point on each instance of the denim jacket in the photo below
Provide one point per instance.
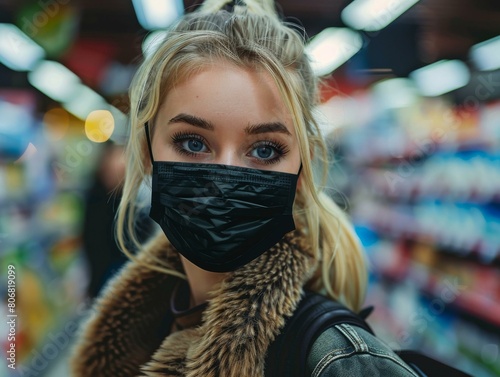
(349, 351)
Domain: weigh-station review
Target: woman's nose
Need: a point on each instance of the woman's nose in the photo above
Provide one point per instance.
(229, 157)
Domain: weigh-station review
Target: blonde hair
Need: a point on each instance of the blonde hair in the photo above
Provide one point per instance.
(249, 36)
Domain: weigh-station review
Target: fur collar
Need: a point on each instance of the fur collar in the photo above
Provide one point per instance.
(123, 337)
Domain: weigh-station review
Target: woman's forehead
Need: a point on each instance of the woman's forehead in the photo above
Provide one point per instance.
(230, 92)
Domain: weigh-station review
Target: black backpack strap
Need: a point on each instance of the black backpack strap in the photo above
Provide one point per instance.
(287, 355)
(427, 366)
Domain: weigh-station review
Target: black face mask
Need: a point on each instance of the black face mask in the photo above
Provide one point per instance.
(221, 217)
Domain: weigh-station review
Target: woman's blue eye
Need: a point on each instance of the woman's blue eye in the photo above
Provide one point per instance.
(189, 144)
(264, 152)
(194, 145)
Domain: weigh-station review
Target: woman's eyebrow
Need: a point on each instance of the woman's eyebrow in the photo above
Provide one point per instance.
(267, 127)
(253, 129)
(192, 120)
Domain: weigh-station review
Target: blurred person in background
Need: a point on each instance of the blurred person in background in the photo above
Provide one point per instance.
(101, 203)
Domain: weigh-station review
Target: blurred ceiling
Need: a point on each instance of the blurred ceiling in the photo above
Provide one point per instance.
(115, 20)
(107, 32)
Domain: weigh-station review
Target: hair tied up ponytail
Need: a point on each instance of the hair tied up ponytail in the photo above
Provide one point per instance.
(264, 8)
(230, 6)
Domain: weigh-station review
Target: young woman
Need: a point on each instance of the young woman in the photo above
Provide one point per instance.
(222, 119)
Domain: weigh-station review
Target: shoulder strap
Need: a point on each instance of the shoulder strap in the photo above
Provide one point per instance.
(427, 366)
(287, 355)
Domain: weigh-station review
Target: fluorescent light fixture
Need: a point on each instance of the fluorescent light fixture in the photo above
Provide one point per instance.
(486, 55)
(54, 80)
(395, 93)
(373, 15)
(118, 115)
(84, 101)
(441, 77)
(331, 48)
(120, 132)
(337, 112)
(17, 50)
(152, 42)
(157, 14)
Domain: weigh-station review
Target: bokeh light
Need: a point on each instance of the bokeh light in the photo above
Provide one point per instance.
(99, 126)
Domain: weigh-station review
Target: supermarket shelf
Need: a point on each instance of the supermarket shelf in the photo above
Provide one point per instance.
(480, 307)
(415, 153)
(392, 185)
(456, 254)
(397, 221)
(424, 187)
(475, 307)
(455, 327)
(61, 336)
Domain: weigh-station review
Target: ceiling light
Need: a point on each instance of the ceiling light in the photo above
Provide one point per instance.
(54, 80)
(337, 112)
(331, 48)
(157, 14)
(84, 102)
(372, 15)
(395, 93)
(441, 77)
(486, 55)
(120, 132)
(17, 50)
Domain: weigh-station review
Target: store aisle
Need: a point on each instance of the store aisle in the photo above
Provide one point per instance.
(411, 114)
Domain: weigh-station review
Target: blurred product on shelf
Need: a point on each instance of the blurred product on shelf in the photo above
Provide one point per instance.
(40, 226)
(469, 176)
